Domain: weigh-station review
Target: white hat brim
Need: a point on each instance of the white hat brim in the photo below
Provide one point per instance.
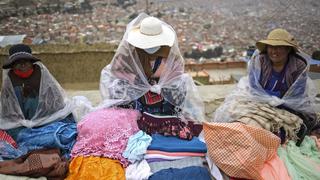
(137, 39)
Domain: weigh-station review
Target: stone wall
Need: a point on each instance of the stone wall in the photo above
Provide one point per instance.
(73, 63)
(215, 65)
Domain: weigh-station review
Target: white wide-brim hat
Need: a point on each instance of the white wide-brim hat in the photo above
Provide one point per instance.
(151, 33)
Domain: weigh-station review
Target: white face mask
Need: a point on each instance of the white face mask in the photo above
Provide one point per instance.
(152, 50)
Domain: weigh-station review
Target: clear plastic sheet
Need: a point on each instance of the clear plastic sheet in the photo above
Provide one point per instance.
(53, 104)
(124, 79)
(300, 96)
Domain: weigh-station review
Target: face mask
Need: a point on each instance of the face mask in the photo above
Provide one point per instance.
(152, 50)
(23, 74)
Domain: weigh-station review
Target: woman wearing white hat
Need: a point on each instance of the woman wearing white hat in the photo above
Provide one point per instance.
(147, 73)
(277, 75)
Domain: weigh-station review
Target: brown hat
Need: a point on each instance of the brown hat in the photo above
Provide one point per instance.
(278, 37)
(18, 52)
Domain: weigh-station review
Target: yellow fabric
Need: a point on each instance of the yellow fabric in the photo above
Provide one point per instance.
(240, 150)
(95, 168)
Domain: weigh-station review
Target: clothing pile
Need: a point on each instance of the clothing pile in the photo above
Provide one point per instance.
(109, 142)
(254, 153)
(38, 152)
(265, 116)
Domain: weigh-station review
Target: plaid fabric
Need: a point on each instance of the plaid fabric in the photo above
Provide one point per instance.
(4, 136)
(240, 150)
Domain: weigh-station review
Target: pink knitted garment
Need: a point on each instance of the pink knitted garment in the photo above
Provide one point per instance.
(105, 133)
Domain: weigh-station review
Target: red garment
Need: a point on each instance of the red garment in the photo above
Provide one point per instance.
(4, 136)
(167, 126)
(152, 98)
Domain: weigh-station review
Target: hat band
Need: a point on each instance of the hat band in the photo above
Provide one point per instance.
(19, 53)
(277, 39)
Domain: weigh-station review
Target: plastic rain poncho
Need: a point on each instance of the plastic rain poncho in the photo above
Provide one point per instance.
(52, 103)
(124, 79)
(299, 97)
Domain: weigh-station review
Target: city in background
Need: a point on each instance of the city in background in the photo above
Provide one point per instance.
(214, 35)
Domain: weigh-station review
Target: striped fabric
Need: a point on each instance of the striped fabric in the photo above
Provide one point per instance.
(238, 149)
(7, 138)
(195, 154)
(181, 163)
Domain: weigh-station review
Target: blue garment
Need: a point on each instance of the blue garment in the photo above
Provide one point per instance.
(137, 146)
(276, 84)
(59, 134)
(163, 108)
(175, 144)
(7, 151)
(188, 173)
(156, 64)
(27, 104)
(295, 74)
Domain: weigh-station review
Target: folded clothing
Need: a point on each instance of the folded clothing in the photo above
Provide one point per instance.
(37, 163)
(105, 133)
(182, 163)
(174, 144)
(176, 153)
(58, 134)
(137, 146)
(187, 173)
(95, 168)
(161, 156)
(168, 126)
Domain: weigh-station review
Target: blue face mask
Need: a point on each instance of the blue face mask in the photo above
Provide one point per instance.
(152, 50)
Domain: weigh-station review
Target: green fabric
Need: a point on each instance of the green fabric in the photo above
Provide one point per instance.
(302, 162)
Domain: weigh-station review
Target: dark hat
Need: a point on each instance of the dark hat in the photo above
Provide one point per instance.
(18, 52)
